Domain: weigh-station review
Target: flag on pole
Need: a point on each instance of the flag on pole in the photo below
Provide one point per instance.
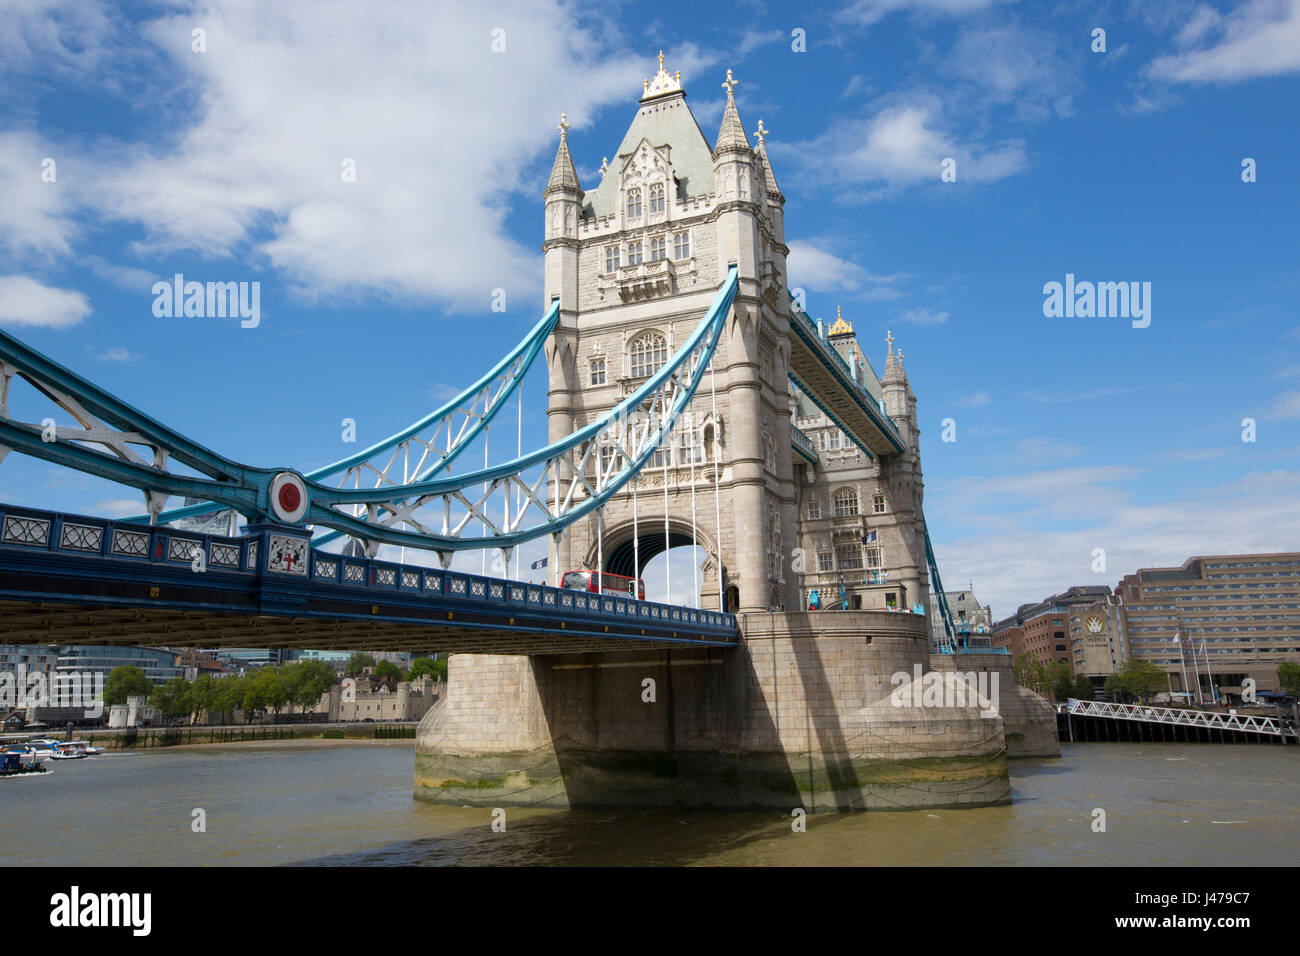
(869, 537)
(539, 564)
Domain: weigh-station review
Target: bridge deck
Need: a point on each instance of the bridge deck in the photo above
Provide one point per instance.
(826, 378)
(80, 580)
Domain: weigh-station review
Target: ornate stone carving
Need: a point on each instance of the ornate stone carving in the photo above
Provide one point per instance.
(646, 280)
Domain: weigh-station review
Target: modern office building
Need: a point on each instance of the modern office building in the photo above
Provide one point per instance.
(29, 657)
(1096, 636)
(1216, 621)
(1042, 630)
(159, 664)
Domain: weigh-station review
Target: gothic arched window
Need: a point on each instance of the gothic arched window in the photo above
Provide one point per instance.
(633, 203)
(846, 503)
(656, 197)
(648, 353)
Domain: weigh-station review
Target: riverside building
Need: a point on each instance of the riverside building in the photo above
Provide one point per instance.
(1238, 616)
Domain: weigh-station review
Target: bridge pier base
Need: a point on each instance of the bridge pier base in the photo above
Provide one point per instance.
(813, 710)
(1029, 721)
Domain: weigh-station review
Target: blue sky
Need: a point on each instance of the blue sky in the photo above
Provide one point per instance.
(1072, 433)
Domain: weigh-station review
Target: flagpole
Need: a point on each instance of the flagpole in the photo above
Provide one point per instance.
(1209, 677)
(1200, 698)
(1181, 660)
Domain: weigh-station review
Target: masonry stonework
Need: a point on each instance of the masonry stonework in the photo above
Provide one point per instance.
(806, 711)
(802, 715)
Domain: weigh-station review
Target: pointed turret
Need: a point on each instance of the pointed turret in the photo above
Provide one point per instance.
(563, 196)
(769, 178)
(731, 135)
(564, 178)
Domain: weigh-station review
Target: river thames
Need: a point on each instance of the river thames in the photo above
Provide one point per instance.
(1165, 804)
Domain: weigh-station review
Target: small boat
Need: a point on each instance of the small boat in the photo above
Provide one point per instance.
(53, 750)
(84, 747)
(14, 762)
(67, 751)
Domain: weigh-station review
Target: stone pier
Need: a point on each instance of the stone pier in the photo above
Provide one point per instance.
(1028, 720)
(806, 712)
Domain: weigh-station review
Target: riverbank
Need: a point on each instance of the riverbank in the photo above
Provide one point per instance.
(152, 738)
(299, 743)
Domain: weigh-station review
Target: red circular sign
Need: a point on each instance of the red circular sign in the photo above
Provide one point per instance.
(290, 498)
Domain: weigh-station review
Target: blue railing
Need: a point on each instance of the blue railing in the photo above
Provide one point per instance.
(803, 444)
(125, 543)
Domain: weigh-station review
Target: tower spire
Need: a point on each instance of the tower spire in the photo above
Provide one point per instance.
(731, 135)
(563, 175)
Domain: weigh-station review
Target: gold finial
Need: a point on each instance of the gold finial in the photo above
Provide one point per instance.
(661, 82)
(840, 327)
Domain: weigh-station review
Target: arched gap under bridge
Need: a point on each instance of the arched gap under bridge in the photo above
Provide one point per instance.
(646, 552)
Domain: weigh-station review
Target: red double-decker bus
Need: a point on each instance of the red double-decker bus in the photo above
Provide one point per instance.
(609, 583)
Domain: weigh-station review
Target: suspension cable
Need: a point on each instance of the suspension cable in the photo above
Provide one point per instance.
(717, 494)
(636, 536)
(695, 565)
(667, 453)
(486, 435)
(519, 453)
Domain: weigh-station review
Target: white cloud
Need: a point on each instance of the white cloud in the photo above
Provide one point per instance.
(117, 353)
(1019, 558)
(1025, 67)
(1191, 454)
(1259, 38)
(34, 215)
(810, 265)
(66, 36)
(24, 301)
(752, 39)
(1048, 450)
(899, 146)
(124, 277)
(1285, 406)
(120, 507)
(923, 317)
(974, 401)
(867, 12)
(445, 134)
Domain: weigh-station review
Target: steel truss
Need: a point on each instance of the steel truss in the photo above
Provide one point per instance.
(581, 471)
(1174, 716)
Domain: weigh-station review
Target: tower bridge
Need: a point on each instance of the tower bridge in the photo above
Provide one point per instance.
(690, 402)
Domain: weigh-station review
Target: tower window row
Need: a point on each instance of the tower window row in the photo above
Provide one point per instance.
(850, 557)
(637, 251)
(658, 200)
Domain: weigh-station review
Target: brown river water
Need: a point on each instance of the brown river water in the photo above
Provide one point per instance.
(1165, 804)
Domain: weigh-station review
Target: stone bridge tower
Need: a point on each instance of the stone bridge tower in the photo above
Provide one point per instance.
(808, 709)
(635, 264)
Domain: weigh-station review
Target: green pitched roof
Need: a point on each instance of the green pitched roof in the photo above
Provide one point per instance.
(662, 121)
